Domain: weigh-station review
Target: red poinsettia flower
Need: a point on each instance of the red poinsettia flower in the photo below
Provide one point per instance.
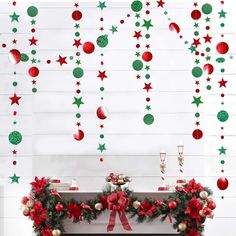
(103, 200)
(39, 184)
(193, 232)
(74, 211)
(46, 232)
(147, 208)
(24, 200)
(193, 208)
(193, 187)
(38, 214)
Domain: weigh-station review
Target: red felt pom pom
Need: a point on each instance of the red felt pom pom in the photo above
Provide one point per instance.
(222, 183)
(33, 71)
(76, 15)
(88, 47)
(147, 56)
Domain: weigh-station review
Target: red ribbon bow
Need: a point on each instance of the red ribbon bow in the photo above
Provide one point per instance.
(118, 202)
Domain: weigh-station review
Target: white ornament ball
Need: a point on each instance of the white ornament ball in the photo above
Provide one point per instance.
(203, 195)
(25, 211)
(182, 226)
(201, 213)
(56, 232)
(211, 215)
(98, 206)
(136, 204)
(30, 203)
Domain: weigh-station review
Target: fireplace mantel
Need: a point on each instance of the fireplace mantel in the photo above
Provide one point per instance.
(99, 226)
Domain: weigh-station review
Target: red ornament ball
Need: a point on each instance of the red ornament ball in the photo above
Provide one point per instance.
(88, 47)
(48, 61)
(211, 205)
(222, 183)
(208, 68)
(222, 47)
(79, 136)
(14, 56)
(147, 56)
(197, 134)
(207, 211)
(174, 27)
(4, 45)
(196, 14)
(33, 71)
(102, 113)
(172, 205)
(59, 207)
(76, 15)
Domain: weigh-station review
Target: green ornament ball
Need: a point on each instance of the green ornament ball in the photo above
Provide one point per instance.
(78, 72)
(32, 11)
(15, 137)
(207, 8)
(137, 65)
(197, 72)
(148, 119)
(102, 41)
(136, 6)
(223, 116)
(24, 57)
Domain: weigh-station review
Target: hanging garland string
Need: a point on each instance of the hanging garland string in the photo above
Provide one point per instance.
(189, 205)
(102, 114)
(222, 49)
(33, 71)
(147, 58)
(78, 72)
(15, 137)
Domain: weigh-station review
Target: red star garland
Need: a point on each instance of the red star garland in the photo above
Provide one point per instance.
(147, 87)
(62, 60)
(137, 34)
(222, 83)
(102, 75)
(14, 99)
(160, 3)
(14, 152)
(14, 41)
(207, 38)
(33, 41)
(196, 42)
(77, 43)
(76, 5)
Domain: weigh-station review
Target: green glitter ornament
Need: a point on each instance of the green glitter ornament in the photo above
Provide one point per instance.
(148, 119)
(15, 137)
(78, 72)
(136, 6)
(32, 11)
(137, 65)
(102, 41)
(197, 72)
(223, 116)
(207, 8)
(24, 57)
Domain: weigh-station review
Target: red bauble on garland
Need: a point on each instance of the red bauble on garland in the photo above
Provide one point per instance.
(14, 56)
(102, 113)
(222, 47)
(208, 68)
(59, 207)
(147, 56)
(172, 205)
(77, 15)
(33, 71)
(174, 27)
(88, 47)
(197, 134)
(79, 136)
(196, 14)
(222, 183)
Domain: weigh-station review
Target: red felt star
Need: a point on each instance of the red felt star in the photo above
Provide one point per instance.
(77, 43)
(195, 4)
(101, 28)
(138, 76)
(101, 126)
(62, 60)
(78, 83)
(196, 42)
(147, 46)
(197, 82)
(147, 4)
(14, 41)
(160, 3)
(76, 4)
(222, 83)
(147, 87)
(207, 38)
(137, 34)
(208, 79)
(197, 123)
(78, 124)
(33, 41)
(181, 36)
(15, 99)
(14, 152)
(34, 81)
(102, 74)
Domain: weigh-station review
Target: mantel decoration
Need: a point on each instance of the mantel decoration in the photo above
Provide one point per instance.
(189, 206)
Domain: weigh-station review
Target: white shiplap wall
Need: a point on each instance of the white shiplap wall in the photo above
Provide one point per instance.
(47, 118)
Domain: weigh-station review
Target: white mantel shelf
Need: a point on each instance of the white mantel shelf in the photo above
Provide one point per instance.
(99, 226)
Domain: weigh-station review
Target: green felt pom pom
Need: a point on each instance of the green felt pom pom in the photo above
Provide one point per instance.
(102, 41)
(24, 57)
(197, 72)
(32, 11)
(223, 116)
(136, 6)
(15, 137)
(137, 65)
(78, 72)
(148, 119)
(207, 8)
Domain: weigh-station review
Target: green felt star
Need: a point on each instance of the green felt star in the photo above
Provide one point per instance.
(102, 5)
(137, 15)
(33, 22)
(222, 14)
(196, 25)
(208, 58)
(147, 68)
(78, 62)
(14, 17)
(222, 150)
(113, 29)
(78, 101)
(208, 19)
(147, 24)
(148, 107)
(77, 26)
(197, 61)
(197, 101)
(14, 179)
(192, 49)
(33, 60)
(102, 147)
(137, 54)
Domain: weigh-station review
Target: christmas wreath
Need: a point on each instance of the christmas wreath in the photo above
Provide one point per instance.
(189, 206)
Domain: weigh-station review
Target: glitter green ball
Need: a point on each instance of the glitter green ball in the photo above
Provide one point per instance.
(32, 11)
(223, 116)
(136, 6)
(137, 65)
(15, 137)
(78, 72)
